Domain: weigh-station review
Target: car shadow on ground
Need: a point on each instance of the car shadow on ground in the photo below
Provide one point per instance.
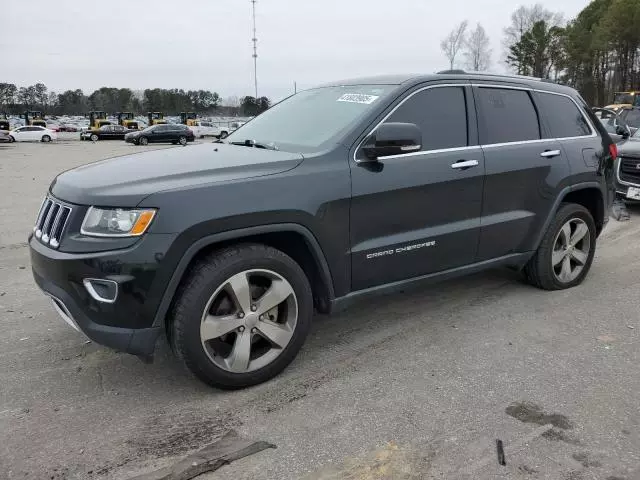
(328, 334)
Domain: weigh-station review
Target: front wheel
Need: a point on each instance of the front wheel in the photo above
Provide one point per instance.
(94, 138)
(46, 138)
(143, 141)
(566, 252)
(11, 139)
(224, 135)
(241, 316)
(182, 141)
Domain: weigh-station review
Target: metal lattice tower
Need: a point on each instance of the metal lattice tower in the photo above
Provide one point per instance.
(255, 48)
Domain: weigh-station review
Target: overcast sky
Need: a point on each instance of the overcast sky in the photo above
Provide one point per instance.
(206, 44)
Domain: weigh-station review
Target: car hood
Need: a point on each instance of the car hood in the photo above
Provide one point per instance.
(125, 181)
(629, 148)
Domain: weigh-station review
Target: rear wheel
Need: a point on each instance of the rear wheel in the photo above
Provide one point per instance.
(94, 137)
(182, 140)
(241, 316)
(566, 252)
(46, 138)
(143, 141)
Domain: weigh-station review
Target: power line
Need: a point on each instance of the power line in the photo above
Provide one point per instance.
(255, 48)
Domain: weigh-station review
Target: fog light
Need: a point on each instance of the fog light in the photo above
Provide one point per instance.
(104, 291)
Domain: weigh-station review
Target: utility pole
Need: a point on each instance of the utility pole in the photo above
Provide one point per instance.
(295, 87)
(255, 48)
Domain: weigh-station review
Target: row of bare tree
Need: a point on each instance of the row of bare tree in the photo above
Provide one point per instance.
(597, 52)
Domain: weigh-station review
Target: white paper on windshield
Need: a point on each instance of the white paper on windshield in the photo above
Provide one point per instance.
(358, 98)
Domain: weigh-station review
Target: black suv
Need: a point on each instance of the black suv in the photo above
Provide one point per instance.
(338, 192)
(165, 133)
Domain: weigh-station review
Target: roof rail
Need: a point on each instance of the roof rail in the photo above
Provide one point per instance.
(491, 74)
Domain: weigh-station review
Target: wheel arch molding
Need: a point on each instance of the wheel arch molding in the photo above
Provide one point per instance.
(578, 193)
(319, 272)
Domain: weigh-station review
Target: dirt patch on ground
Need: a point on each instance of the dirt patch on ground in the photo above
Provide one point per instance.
(389, 462)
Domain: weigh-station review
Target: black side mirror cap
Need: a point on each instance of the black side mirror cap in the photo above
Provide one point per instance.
(623, 131)
(393, 138)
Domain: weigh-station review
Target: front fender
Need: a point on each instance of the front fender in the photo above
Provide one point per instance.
(204, 242)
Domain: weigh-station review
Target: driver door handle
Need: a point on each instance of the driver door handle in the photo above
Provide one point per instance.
(550, 153)
(464, 164)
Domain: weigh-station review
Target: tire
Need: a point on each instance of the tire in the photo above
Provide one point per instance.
(174, 142)
(11, 139)
(94, 138)
(198, 294)
(46, 138)
(143, 141)
(224, 134)
(540, 270)
(182, 140)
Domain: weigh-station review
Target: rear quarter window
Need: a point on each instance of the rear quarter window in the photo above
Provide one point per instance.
(562, 116)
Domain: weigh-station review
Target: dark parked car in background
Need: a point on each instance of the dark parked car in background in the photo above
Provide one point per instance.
(628, 169)
(164, 133)
(106, 132)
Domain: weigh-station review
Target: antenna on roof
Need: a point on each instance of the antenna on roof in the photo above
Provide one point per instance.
(255, 48)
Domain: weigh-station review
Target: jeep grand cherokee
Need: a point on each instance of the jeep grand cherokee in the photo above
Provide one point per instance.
(338, 192)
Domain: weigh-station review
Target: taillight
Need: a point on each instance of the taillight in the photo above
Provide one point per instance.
(613, 151)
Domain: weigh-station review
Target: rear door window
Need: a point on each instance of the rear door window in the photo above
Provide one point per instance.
(562, 116)
(441, 115)
(506, 116)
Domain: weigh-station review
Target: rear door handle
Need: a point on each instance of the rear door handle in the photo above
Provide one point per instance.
(550, 153)
(465, 164)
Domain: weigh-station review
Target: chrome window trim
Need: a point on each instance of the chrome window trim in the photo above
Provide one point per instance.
(490, 145)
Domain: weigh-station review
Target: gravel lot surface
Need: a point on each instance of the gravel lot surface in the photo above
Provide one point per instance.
(416, 385)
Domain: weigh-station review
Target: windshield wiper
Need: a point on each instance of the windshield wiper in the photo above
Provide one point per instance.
(254, 144)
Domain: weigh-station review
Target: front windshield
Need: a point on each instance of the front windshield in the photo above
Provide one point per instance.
(309, 120)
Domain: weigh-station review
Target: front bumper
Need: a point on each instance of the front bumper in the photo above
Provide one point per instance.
(626, 179)
(125, 324)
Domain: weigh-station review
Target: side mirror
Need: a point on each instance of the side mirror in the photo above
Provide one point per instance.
(393, 138)
(623, 131)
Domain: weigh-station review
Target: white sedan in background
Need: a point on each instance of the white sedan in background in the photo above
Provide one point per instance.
(31, 133)
(203, 129)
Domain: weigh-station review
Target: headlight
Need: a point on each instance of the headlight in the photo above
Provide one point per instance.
(116, 222)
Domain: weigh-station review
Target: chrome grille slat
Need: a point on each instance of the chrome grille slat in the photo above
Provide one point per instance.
(51, 222)
(43, 216)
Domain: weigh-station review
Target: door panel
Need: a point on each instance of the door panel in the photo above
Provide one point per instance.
(524, 170)
(520, 189)
(414, 214)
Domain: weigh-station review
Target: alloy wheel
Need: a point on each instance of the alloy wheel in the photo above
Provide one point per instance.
(571, 250)
(249, 321)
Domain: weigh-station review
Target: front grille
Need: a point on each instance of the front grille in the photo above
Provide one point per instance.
(52, 219)
(630, 166)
